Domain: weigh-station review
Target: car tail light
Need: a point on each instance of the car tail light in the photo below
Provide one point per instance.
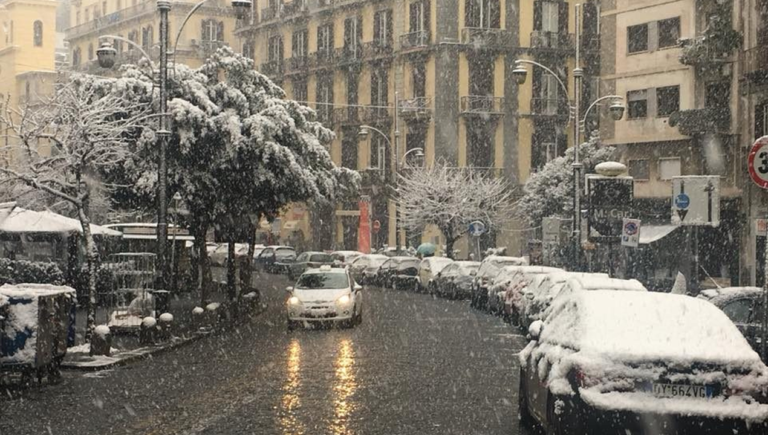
(582, 379)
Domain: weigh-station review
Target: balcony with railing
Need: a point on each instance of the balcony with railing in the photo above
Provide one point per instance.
(754, 64)
(485, 38)
(322, 58)
(269, 13)
(543, 40)
(415, 40)
(350, 54)
(349, 115)
(378, 48)
(297, 65)
(377, 114)
(98, 24)
(294, 7)
(272, 68)
(418, 107)
(482, 105)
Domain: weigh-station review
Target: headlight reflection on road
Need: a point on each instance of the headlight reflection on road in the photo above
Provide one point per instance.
(291, 401)
(344, 387)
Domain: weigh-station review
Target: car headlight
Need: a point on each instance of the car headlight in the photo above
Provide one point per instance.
(344, 300)
(294, 301)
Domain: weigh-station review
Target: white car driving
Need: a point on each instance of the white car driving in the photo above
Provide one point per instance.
(325, 295)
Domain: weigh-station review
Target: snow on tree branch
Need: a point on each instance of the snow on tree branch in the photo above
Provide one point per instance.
(549, 192)
(451, 198)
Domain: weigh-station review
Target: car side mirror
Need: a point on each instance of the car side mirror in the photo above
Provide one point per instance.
(358, 287)
(534, 331)
(289, 289)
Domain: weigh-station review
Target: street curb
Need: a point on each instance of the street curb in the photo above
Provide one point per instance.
(146, 352)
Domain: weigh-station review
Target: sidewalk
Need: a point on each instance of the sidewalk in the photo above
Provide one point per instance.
(126, 348)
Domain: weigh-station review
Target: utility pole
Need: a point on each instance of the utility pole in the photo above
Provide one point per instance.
(577, 76)
(396, 164)
(163, 6)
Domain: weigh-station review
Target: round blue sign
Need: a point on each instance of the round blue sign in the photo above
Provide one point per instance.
(682, 201)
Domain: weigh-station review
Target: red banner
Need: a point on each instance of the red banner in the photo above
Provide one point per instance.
(364, 229)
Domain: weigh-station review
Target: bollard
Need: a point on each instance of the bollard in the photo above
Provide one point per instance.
(148, 331)
(101, 341)
(165, 324)
(198, 318)
(212, 314)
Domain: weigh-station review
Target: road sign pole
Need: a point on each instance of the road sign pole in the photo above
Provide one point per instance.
(764, 337)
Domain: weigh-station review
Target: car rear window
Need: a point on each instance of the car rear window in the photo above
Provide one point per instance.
(405, 264)
(285, 253)
(321, 258)
(323, 281)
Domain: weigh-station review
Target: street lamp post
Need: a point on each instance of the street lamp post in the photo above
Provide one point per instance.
(617, 111)
(106, 56)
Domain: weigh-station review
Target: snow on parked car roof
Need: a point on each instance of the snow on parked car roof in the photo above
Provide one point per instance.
(593, 282)
(438, 263)
(644, 326)
(721, 295)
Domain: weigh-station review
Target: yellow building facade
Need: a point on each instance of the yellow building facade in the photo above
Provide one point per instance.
(436, 72)
(211, 27)
(27, 54)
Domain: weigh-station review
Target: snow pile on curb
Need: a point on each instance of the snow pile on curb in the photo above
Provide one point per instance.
(198, 310)
(166, 318)
(213, 306)
(86, 349)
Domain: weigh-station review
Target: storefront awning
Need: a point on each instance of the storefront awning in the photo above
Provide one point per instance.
(653, 233)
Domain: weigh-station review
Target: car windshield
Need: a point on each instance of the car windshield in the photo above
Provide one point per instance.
(323, 281)
(620, 144)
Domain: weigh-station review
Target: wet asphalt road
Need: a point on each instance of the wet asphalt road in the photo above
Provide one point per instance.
(416, 365)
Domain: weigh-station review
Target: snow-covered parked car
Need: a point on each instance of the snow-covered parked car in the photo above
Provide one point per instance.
(345, 258)
(325, 294)
(364, 267)
(744, 306)
(640, 363)
(489, 268)
(428, 269)
(509, 286)
(543, 289)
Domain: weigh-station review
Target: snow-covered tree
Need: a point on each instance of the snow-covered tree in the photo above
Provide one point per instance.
(239, 150)
(549, 192)
(451, 198)
(60, 146)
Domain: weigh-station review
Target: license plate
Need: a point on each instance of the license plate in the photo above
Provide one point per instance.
(676, 390)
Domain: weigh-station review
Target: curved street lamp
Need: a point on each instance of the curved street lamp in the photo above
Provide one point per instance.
(106, 56)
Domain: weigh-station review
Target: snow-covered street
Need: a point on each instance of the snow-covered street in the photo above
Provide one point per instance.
(416, 365)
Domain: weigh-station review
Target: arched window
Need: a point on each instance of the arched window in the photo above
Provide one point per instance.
(38, 29)
(90, 51)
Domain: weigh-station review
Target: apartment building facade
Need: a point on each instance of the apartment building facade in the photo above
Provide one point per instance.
(211, 27)
(676, 63)
(27, 55)
(448, 65)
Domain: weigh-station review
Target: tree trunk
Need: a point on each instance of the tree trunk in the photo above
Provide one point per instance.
(246, 273)
(231, 271)
(92, 258)
(203, 272)
(449, 241)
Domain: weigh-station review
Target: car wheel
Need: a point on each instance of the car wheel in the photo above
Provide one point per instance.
(523, 413)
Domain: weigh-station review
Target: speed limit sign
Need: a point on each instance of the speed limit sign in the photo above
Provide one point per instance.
(758, 162)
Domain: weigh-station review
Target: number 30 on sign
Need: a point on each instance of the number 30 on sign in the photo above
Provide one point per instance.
(758, 162)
